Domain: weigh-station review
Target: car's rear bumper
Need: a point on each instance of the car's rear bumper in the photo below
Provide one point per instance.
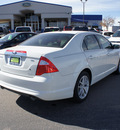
(47, 87)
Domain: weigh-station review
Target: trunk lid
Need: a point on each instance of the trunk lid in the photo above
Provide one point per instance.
(22, 60)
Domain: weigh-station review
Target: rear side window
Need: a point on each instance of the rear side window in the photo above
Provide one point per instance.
(49, 40)
(90, 43)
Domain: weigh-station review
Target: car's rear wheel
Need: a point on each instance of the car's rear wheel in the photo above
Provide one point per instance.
(82, 87)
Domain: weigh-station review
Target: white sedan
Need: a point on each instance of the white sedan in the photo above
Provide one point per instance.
(115, 38)
(58, 65)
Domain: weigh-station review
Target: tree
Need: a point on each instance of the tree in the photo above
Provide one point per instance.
(108, 21)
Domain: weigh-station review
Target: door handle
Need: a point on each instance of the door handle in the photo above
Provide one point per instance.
(91, 57)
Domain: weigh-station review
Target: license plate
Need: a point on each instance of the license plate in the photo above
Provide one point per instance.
(15, 60)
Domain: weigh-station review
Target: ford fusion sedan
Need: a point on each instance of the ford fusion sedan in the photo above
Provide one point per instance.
(58, 65)
(14, 39)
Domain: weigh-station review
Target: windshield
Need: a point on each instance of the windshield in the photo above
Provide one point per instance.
(51, 29)
(23, 29)
(8, 37)
(58, 40)
(116, 34)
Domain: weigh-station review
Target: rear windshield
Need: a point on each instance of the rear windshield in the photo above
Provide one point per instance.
(23, 29)
(49, 40)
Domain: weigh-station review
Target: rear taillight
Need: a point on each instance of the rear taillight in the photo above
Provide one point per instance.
(45, 66)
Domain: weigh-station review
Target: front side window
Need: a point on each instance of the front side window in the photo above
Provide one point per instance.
(90, 43)
(21, 37)
(104, 42)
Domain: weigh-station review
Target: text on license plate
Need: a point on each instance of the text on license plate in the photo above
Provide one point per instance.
(15, 60)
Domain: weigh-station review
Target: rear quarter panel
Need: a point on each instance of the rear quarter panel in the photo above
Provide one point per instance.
(71, 59)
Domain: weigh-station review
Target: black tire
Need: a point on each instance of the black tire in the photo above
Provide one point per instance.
(82, 87)
(118, 68)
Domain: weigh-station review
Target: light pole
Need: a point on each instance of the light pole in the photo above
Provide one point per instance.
(83, 1)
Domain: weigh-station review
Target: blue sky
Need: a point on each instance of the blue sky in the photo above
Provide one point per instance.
(102, 7)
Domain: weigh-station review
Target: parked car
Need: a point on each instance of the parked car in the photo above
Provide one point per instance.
(13, 39)
(67, 28)
(80, 28)
(107, 33)
(3, 31)
(51, 29)
(23, 29)
(99, 30)
(58, 65)
(93, 30)
(115, 38)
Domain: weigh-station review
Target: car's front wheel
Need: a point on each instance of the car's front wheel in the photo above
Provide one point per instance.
(82, 87)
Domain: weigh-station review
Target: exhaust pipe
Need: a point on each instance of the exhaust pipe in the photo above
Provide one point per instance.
(2, 87)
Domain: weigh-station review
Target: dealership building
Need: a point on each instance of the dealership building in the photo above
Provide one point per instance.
(39, 15)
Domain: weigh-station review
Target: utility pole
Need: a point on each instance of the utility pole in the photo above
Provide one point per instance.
(83, 1)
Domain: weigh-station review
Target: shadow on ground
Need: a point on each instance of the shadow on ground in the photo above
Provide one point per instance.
(101, 110)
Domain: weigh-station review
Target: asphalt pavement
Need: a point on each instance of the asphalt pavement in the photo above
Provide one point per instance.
(101, 110)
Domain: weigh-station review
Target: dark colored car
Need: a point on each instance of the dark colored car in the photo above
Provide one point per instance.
(13, 39)
(108, 33)
(67, 28)
(80, 28)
